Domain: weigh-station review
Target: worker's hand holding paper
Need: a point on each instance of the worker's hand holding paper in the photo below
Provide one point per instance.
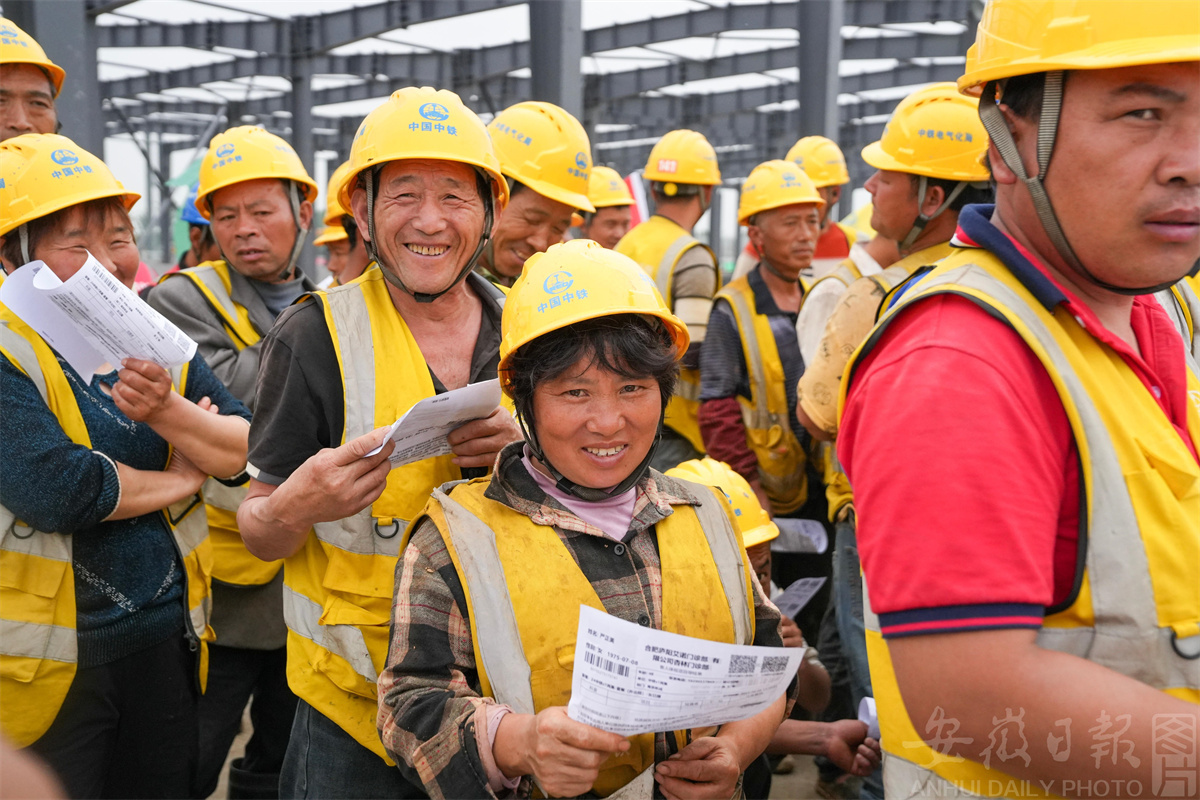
(93, 319)
(629, 679)
(421, 433)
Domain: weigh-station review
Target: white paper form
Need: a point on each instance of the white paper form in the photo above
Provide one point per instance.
(421, 432)
(796, 596)
(93, 319)
(629, 679)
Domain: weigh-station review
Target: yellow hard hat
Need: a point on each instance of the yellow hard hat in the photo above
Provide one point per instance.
(41, 173)
(572, 282)
(18, 47)
(934, 132)
(423, 123)
(248, 153)
(821, 159)
(330, 233)
(334, 210)
(683, 156)
(1022, 37)
(754, 523)
(774, 184)
(606, 188)
(545, 148)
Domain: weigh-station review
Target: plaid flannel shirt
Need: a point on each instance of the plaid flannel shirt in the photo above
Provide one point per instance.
(429, 692)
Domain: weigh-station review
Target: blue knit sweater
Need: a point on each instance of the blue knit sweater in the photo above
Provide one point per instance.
(128, 574)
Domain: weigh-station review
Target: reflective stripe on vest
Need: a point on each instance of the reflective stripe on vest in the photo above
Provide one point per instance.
(1131, 524)
(345, 571)
(769, 434)
(491, 569)
(657, 245)
(1183, 306)
(232, 562)
(38, 645)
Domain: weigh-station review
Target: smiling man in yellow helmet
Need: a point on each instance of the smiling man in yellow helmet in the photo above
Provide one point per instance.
(29, 84)
(1021, 430)
(348, 257)
(612, 199)
(257, 197)
(546, 158)
(683, 174)
(424, 186)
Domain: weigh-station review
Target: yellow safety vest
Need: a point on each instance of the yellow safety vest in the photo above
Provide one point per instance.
(769, 434)
(39, 650)
(337, 594)
(525, 647)
(1184, 299)
(232, 562)
(658, 244)
(1139, 592)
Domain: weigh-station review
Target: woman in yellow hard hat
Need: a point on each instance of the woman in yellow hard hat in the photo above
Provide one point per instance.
(103, 538)
(589, 357)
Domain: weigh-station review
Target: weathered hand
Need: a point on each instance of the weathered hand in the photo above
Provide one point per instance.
(189, 474)
(336, 482)
(477, 442)
(562, 754)
(849, 748)
(706, 768)
(143, 390)
(790, 631)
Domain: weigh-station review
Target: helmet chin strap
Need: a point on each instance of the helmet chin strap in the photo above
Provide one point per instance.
(771, 269)
(372, 251)
(587, 493)
(923, 219)
(993, 120)
(289, 269)
(23, 233)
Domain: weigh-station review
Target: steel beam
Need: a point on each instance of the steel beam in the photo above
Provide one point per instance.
(820, 25)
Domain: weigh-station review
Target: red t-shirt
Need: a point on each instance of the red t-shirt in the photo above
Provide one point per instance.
(965, 472)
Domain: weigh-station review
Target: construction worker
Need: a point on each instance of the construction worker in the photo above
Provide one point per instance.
(612, 199)
(29, 84)
(203, 246)
(683, 174)
(1182, 304)
(751, 360)
(104, 550)
(544, 149)
(589, 356)
(347, 251)
(822, 160)
(845, 741)
(424, 186)
(1021, 429)
(258, 196)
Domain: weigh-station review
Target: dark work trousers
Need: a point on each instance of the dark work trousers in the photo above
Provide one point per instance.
(236, 675)
(128, 728)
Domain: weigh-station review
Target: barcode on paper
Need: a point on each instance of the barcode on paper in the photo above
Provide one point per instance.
(608, 665)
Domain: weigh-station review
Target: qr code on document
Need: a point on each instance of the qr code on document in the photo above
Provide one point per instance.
(742, 665)
(774, 664)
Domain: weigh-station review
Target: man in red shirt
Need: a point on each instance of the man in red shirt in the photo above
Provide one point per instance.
(1021, 430)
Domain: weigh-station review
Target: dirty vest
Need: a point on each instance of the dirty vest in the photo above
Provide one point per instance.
(337, 594)
(1137, 608)
(658, 244)
(525, 647)
(769, 434)
(39, 651)
(232, 562)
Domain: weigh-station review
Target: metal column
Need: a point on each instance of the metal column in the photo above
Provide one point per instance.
(556, 44)
(67, 33)
(303, 140)
(820, 25)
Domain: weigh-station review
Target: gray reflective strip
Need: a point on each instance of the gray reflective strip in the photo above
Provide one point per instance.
(758, 416)
(495, 622)
(20, 349)
(726, 547)
(666, 265)
(34, 640)
(640, 788)
(212, 281)
(687, 390)
(1192, 301)
(226, 498)
(352, 326)
(303, 618)
(192, 529)
(362, 534)
(904, 780)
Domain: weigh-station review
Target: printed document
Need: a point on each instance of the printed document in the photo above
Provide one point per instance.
(796, 596)
(629, 679)
(93, 319)
(421, 432)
